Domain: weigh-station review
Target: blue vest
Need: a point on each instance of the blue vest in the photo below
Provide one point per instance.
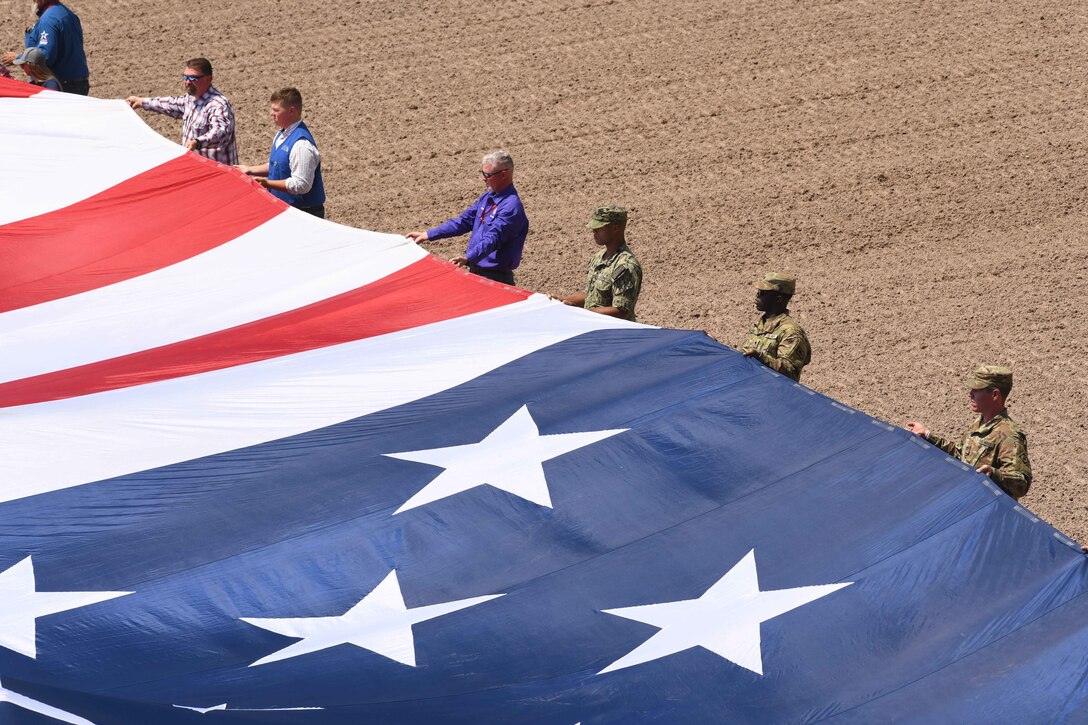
(279, 168)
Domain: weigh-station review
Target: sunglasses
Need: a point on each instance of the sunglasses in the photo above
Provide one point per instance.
(493, 173)
(192, 79)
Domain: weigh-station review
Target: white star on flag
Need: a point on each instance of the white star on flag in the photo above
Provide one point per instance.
(379, 622)
(724, 620)
(21, 605)
(510, 458)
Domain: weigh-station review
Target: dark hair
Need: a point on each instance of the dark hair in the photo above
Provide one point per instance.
(288, 97)
(201, 64)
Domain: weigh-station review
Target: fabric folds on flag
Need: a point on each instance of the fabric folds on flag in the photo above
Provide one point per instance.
(260, 467)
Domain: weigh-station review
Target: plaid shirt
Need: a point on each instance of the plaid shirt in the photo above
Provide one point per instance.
(208, 119)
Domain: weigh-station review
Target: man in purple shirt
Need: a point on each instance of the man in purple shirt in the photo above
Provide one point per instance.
(497, 221)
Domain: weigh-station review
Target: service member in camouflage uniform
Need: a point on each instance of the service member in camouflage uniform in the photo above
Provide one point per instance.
(615, 276)
(776, 340)
(994, 445)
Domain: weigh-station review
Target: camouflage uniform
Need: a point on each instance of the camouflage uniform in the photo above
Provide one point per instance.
(780, 344)
(1000, 444)
(614, 282)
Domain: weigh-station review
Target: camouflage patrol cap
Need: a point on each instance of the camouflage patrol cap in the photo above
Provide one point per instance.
(781, 283)
(605, 215)
(991, 376)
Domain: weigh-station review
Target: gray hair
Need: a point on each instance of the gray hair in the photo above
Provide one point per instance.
(499, 157)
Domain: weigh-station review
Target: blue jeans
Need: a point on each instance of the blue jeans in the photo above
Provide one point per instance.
(80, 87)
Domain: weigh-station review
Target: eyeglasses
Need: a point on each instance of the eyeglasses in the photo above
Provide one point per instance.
(192, 79)
(493, 173)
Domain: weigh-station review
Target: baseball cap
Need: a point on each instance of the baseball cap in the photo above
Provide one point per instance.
(31, 55)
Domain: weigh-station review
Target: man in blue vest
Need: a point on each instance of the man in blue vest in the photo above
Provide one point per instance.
(59, 35)
(293, 171)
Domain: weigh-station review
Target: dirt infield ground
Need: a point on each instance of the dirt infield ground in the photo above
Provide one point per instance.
(920, 166)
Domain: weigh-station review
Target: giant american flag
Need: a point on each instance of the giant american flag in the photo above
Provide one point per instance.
(260, 467)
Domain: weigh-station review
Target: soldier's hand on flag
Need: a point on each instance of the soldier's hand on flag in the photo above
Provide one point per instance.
(918, 429)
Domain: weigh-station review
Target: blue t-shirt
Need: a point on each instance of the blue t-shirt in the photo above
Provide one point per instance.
(59, 35)
(52, 84)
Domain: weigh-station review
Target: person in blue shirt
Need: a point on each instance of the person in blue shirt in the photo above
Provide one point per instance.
(59, 35)
(497, 223)
(37, 72)
(293, 171)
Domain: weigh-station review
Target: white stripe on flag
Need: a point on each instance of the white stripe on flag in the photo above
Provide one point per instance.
(41, 708)
(63, 443)
(67, 148)
(290, 261)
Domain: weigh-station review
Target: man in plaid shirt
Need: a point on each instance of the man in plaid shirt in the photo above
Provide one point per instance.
(207, 119)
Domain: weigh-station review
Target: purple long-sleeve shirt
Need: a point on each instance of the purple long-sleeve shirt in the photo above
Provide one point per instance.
(499, 227)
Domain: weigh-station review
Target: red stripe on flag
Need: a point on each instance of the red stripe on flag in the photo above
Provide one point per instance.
(160, 217)
(11, 88)
(424, 292)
